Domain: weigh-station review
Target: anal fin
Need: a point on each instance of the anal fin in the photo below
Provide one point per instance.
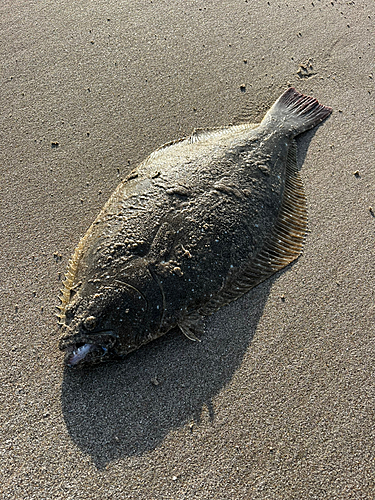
(283, 245)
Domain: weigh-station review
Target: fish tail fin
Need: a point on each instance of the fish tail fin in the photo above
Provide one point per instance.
(296, 112)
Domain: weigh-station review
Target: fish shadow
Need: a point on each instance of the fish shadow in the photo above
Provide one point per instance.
(127, 408)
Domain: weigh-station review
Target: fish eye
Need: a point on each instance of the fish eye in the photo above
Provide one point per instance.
(90, 323)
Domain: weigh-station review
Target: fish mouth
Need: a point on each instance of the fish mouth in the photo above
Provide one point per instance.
(91, 350)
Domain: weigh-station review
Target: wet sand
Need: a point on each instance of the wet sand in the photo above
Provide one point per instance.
(277, 401)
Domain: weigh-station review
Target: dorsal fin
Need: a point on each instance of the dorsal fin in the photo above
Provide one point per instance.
(197, 136)
(70, 276)
(200, 134)
(282, 246)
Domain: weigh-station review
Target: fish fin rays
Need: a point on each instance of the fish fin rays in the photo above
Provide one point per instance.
(201, 134)
(282, 247)
(296, 112)
(69, 288)
(192, 326)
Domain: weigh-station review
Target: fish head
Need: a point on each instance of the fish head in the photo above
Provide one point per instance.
(103, 324)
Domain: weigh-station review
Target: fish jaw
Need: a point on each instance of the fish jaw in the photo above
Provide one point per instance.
(84, 351)
(79, 355)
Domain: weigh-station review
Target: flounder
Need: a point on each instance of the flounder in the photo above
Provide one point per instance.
(199, 223)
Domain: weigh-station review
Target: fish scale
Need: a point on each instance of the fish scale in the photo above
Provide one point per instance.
(199, 223)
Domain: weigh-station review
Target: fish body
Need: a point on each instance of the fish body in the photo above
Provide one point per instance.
(199, 223)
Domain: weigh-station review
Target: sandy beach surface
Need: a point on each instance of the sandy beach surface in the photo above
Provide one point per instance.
(277, 401)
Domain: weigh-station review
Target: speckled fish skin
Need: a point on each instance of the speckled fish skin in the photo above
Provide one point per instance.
(195, 226)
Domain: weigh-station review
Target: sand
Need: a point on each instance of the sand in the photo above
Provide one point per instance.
(277, 401)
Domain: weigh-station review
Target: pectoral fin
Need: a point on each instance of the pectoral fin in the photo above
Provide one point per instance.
(192, 325)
